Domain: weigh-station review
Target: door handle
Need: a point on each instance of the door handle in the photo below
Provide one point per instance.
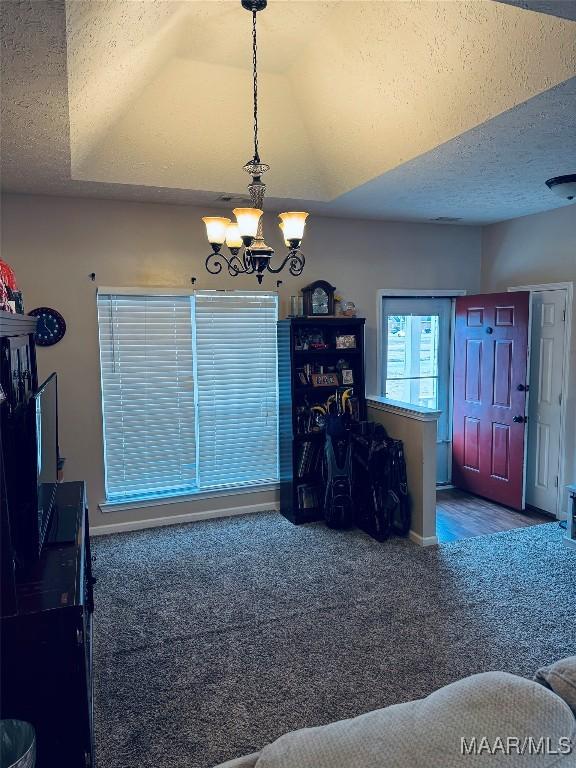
(520, 419)
(523, 387)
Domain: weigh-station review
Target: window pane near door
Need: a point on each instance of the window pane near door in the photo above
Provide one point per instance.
(415, 349)
(412, 359)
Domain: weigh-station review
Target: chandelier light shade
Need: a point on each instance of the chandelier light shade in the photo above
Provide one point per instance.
(248, 220)
(292, 226)
(216, 227)
(244, 238)
(233, 238)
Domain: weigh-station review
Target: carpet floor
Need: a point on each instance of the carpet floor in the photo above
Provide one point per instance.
(214, 638)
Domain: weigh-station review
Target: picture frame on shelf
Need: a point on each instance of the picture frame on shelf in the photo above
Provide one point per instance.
(324, 379)
(347, 376)
(345, 341)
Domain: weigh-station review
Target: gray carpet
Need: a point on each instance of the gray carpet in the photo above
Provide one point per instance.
(212, 639)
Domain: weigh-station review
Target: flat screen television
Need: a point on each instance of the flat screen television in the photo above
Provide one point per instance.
(44, 428)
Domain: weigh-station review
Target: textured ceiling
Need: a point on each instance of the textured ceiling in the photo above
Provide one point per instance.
(394, 110)
(566, 9)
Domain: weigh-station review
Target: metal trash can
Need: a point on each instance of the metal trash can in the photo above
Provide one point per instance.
(17, 744)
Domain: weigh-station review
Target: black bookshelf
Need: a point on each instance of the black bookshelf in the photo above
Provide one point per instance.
(307, 349)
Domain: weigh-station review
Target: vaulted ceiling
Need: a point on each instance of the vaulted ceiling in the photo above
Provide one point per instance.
(395, 110)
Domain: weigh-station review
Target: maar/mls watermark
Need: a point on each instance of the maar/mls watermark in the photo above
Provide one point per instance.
(515, 745)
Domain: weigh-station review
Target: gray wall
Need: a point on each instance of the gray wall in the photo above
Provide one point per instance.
(533, 249)
(529, 251)
(54, 243)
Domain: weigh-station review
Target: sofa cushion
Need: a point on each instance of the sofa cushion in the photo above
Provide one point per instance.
(560, 677)
(427, 733)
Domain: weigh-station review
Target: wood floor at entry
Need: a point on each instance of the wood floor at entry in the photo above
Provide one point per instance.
(459, 515)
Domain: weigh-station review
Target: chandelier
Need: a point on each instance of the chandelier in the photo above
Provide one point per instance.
(244, 238)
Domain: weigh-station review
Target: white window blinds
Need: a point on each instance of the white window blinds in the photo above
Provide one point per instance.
(237, 388)
(147, 395)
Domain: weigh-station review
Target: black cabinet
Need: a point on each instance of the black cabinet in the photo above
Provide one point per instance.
(46, 667)
(320, 367)
(17, 382)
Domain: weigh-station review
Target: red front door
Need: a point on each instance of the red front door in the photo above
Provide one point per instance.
(490, 378)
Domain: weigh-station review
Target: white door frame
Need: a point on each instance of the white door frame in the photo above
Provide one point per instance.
(429, 293)
(569, 288)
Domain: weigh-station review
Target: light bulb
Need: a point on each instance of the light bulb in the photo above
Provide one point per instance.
(247, 219)
(233, 239)
(293, 229)
(216, 229)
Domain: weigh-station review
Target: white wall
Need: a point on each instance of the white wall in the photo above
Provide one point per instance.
(54, 244)
(529, 251)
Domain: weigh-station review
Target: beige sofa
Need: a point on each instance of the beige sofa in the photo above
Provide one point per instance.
(489, 720)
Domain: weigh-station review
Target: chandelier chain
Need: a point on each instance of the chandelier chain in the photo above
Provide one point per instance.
(255, 75)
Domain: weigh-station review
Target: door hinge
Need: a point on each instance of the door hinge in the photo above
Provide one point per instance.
(563, 315)
(556, 481)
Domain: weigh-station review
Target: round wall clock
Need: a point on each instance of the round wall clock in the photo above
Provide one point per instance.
(50, 328)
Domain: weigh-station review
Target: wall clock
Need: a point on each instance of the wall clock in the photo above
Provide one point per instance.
(318, 299)
(50, 328)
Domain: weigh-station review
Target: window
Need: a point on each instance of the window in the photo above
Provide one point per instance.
(189, 392)
(415, 341)
(237, 383)
(415, 351)
(412, 359)
(147, 395)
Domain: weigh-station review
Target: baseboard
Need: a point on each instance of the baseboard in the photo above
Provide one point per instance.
(422, 541)
(190, 517)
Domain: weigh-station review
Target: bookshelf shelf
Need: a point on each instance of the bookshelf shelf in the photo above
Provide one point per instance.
(301, 446)
(326, 391)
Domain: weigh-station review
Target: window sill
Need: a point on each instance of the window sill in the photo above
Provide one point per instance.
(408, 410)
(123, 506)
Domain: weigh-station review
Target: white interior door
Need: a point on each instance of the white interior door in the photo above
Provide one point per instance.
(416, 361)
(547, 356)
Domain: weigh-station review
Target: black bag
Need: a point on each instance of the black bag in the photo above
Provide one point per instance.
(338, 505)
(398, 490)
(380, 491)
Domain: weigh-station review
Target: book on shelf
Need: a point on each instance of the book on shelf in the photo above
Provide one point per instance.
(309, 458)
(302, 377)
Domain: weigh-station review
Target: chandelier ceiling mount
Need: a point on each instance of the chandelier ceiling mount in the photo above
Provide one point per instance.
(254, 5)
